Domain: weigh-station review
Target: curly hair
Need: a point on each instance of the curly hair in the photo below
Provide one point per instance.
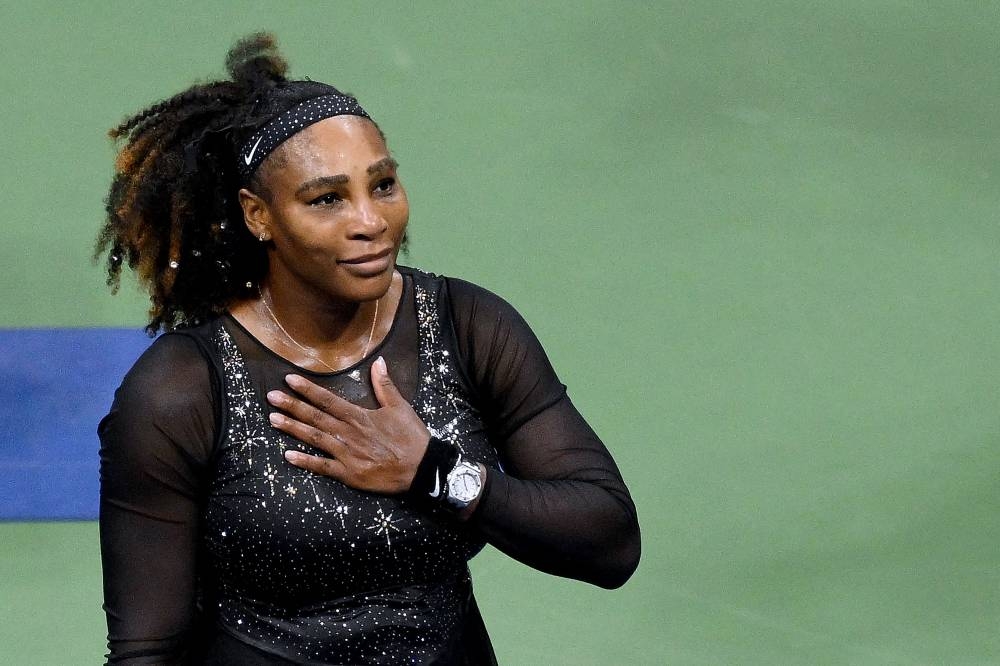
(173, 214)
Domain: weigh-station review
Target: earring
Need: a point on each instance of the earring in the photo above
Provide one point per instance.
(261, 238)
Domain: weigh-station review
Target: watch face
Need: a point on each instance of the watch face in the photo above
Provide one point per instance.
(464, 483)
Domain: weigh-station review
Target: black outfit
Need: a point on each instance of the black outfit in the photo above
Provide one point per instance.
(218, 551)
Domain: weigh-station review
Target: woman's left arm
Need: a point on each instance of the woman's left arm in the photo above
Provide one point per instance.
(559, 504)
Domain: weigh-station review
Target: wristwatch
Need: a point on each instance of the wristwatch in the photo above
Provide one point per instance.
(464, 483)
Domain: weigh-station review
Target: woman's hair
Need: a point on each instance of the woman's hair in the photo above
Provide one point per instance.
(173, 212)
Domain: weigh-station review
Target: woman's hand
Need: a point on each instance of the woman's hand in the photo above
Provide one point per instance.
(372, 449)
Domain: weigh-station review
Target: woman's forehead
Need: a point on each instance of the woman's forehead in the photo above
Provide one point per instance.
(341, 144)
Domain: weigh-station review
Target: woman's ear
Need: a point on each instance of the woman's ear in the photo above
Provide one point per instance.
(255, 215)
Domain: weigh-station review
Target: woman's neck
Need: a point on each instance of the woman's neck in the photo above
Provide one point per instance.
(322, 334)
(316, 322)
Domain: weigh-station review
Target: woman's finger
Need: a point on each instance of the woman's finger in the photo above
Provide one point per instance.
(326, 400)
(304, 412)
(318, 439)
(385, 390)
(324, 466)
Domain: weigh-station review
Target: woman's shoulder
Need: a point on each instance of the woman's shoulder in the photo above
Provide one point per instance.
(463, 296)
(162, 423)
(487, 328)
(181, 348)
(168, 375)
(499, 355)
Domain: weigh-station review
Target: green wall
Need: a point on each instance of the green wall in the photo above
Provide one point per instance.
(758, 239)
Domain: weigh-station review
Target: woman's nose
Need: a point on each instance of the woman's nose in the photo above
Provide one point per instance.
(369, 221)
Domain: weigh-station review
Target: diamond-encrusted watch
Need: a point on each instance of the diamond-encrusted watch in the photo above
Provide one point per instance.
(464, 483)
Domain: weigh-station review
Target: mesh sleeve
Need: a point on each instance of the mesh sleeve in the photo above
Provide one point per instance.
(155, 446)
(559, 504)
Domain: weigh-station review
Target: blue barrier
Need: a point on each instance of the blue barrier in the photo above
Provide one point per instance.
(55, 385)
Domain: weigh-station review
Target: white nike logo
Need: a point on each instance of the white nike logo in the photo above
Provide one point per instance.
(249, 156)
(437, 484)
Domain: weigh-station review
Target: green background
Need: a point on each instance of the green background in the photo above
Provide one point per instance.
(758, 239)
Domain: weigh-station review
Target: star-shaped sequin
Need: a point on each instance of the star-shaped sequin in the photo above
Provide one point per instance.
(383, 524)
(340, 511)
(271, 477)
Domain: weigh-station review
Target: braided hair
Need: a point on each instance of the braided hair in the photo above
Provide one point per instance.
(173, 214)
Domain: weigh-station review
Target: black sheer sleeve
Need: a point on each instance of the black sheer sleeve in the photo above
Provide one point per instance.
(155, 446)
(559, 504)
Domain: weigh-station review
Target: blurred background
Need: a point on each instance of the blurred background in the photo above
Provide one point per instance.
(759, 241)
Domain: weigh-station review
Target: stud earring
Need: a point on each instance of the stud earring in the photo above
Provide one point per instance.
(261, 238)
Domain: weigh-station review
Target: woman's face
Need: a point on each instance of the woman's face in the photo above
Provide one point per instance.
(335, 213)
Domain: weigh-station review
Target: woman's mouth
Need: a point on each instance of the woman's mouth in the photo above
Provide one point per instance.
(368, 265)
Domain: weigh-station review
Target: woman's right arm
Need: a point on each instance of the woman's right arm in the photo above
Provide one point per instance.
(155, 446)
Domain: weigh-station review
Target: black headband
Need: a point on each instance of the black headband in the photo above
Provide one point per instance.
(263, 142)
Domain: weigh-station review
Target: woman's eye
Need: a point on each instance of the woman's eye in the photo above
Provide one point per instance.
(385, 186)
(326, 200)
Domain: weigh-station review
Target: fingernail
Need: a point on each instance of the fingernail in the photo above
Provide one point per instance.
(275, 397)
(380, 364)
(292, 380)
(293, 456)
(275, 418)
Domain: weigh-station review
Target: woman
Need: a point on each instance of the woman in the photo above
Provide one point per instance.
(299, 470)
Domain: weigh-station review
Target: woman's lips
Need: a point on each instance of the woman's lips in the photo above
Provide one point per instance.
(368, 265)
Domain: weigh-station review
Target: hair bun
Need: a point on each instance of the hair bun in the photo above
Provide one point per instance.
(254, 61)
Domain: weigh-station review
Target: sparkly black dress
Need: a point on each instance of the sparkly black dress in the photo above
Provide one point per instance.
(217, 551)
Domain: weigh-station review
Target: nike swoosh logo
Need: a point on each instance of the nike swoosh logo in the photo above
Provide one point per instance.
(437, 484)
(248, 158)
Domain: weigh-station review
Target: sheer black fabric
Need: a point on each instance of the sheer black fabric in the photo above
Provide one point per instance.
(555, 500)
